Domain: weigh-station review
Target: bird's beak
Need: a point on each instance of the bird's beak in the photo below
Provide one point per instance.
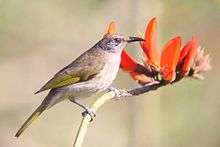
(133, 39)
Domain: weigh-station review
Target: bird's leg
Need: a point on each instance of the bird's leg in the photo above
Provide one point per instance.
(87, 109)
(118, 92)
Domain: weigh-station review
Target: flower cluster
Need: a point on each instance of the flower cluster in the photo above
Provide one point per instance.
(171, 65)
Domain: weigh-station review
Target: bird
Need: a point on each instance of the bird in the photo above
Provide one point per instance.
(92, 72)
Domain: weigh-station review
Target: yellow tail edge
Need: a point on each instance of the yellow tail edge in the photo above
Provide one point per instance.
(33, 117)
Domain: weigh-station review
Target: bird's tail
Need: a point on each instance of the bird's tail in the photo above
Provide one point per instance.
(33, 116)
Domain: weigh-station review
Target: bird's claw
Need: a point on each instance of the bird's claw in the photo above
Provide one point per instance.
(118, 93)
(90, 112)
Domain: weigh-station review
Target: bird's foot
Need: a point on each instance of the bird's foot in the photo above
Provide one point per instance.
(119, 93)
(90, 112)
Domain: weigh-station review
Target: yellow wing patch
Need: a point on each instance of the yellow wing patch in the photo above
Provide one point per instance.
(59, 81)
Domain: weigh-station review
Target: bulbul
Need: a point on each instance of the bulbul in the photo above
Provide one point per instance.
(92, 72)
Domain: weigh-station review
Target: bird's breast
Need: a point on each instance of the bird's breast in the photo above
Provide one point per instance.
(108, 73)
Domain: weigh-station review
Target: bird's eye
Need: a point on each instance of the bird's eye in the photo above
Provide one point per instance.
(114, 42)
(118, 40)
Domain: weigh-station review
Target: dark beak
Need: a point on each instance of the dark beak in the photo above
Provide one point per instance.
(133, 39)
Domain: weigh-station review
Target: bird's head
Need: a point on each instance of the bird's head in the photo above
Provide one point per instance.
(115, 43)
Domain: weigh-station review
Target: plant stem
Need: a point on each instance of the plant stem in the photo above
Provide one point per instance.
(106, 97)
(86, 120)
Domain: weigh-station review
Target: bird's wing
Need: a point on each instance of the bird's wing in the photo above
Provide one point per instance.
(83, 68)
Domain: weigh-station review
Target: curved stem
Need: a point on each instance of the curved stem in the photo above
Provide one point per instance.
(103, 99)
(86, 120)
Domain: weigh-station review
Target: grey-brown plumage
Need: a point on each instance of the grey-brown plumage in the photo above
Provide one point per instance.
(83, 68)
(92, 72)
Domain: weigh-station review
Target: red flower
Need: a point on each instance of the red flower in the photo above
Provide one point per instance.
(173, 63)
(169, 59)
(166, 64)
(149, 46)
(111, 28)
(187, 55)
(128, 63)
(135, 69)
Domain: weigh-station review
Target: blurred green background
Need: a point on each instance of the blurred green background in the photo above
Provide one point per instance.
(39, 37)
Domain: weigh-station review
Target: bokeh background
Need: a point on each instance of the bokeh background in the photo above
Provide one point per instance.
(39, 37)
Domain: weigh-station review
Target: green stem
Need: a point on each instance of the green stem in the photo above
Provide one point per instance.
(86, 120)
(106, 97)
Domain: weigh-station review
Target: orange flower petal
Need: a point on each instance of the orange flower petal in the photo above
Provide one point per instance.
(185, 50)
(189, 57)
(111, 28)
(140, 78)
(169, 58)
(127, 62)
(150, 44)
